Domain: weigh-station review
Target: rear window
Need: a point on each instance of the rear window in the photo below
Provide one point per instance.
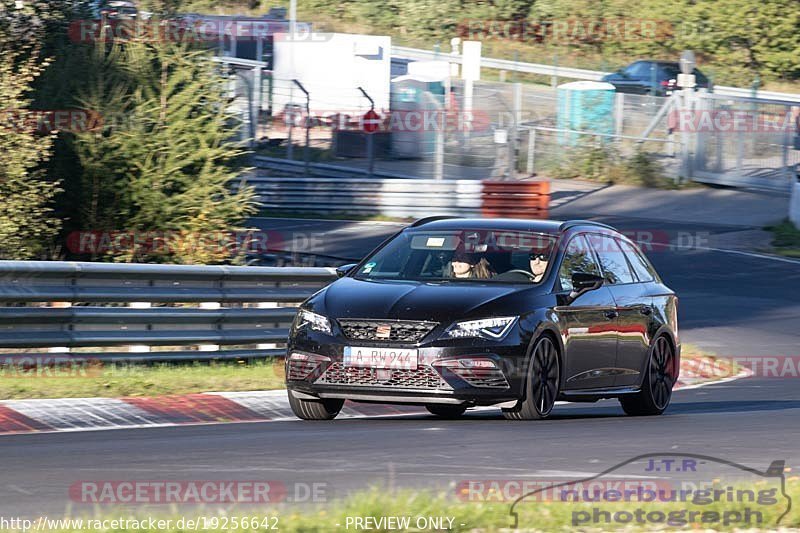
(577, 258)
(641, 266)
(612, 260)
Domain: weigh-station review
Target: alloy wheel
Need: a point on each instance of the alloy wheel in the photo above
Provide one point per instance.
(662, 373)
(544, 376)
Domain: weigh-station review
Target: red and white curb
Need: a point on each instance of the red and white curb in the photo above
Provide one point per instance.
(89, 414)
(85, 414)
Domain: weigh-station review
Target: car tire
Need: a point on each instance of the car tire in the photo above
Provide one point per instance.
(314, 409)
(656, 391)
(446, 411)
(541, 383)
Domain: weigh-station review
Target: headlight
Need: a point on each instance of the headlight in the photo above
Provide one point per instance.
(312, 320)
(488, 328)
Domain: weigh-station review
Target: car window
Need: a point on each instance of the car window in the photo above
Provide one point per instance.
(577, 258)
(461, 255)
(669, 70)
(639, 71)
(644, 271)
(615, 267)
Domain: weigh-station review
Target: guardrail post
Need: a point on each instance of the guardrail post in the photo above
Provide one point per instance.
(139, 348)
(266, 305)
(60, 349)
(209, 347)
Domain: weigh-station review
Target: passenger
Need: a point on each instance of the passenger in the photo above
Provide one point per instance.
(467, 265)
(538, 262)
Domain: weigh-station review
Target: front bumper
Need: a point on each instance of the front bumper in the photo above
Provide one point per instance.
(429, 383)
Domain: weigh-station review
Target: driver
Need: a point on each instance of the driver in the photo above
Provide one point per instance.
(469, 265)
(538, 263)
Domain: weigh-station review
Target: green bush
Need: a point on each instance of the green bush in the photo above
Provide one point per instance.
(604, 163)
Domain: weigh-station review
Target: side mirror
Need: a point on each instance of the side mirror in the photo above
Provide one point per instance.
(583, 282)
(342, 271)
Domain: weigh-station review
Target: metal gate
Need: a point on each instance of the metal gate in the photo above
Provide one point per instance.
(741, 142)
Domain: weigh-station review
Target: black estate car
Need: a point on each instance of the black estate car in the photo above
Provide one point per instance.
(658, 78)
(452, 313)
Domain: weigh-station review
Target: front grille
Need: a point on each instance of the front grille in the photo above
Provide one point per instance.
(405, 331)
(423, 377)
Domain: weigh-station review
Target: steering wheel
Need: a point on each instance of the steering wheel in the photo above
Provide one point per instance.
(529, 275)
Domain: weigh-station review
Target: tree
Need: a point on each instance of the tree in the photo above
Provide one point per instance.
(163, 162)
(27, 227)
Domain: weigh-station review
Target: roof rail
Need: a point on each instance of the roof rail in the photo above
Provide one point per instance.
(572, 223)
(430, 219)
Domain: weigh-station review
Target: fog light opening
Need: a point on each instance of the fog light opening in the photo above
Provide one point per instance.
(477, 371)
(302, 365)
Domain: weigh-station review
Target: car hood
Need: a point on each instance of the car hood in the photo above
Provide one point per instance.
(410, 300)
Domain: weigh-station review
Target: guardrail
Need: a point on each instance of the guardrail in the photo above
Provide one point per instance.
(576, 73)
(413, 198)
(84, 324)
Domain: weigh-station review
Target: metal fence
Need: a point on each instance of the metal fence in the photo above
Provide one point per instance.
(494, 130)
(187, 311)
(762, 152)
(484, 134)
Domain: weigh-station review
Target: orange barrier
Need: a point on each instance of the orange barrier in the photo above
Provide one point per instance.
(515, 199)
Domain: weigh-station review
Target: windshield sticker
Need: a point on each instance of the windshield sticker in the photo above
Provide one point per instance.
(368, 268)
(435, 242)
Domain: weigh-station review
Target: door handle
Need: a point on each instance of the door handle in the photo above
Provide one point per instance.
(612, 314)
(646, 311)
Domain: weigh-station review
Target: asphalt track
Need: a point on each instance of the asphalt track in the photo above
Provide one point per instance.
(734, 304)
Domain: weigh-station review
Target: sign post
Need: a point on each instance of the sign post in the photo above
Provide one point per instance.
(372, 122)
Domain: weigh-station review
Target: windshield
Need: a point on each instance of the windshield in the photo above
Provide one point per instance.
(462, 255)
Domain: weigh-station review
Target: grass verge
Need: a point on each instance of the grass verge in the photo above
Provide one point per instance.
(97, 380)
(701, 366)
(418, 510)
(785, 239)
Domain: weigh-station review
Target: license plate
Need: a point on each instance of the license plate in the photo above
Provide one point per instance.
(369, 357)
